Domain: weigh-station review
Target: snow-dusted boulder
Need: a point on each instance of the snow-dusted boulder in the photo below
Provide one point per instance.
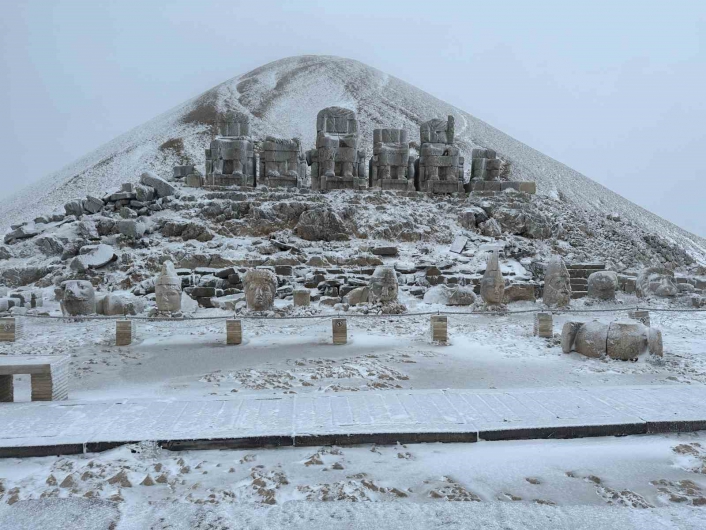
(450, 295)
(93, 257)
(320, 224)
(656, 281)
(132, 228)
(602, 285)
(490, 228)
(92, 204)
(161, 186)
(50, 245)
(23, 232)
(359, 295)
(87, 228)
(74, 207)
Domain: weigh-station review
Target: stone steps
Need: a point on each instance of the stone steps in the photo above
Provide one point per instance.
(578, 294)
(579, 273)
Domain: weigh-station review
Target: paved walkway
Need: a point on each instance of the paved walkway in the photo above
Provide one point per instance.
(348, 418)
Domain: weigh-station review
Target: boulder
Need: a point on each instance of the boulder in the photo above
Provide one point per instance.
(405, 267)
(385, 251)
(144, 193)
(591, 339)
(74, 207)
(492, 285)
(359, 295)
(450, 295)
(568, 335)
(602, 285)
(557, 283)
(471, 217)
(5, 252)
(50, 245)
(656, 281)
(522, 220)
(22, 232)
(18, 276)
(110, 305)
(87, 228)
(519, 292)
(490, 228)
(131, 228)
(161, 186)
(92, 204)
(93, 257)
(320, 224)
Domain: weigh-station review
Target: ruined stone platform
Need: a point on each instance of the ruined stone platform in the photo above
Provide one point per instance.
(384, 417)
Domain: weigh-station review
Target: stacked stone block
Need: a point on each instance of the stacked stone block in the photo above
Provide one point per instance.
(336, 163)
(10, 329)
(543, 325)
(439, 168)
(301, 297)
(234, 332)
(579, 273)
(124, 332)
(439, 329)
(189, 175)
(282, 163)
(230, 159)
(391, 167)
(340, 330)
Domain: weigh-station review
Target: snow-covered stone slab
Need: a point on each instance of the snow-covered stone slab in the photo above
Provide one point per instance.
(350, 418)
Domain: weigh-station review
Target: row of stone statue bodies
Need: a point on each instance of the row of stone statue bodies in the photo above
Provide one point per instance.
(336, 161)
(79, 297)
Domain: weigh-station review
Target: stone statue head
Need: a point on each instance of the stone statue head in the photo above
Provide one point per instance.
(260, 288)
(383, 285)
(167, 289)
(79, 298)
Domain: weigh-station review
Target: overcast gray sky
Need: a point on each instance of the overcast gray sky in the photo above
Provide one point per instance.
(616, 90)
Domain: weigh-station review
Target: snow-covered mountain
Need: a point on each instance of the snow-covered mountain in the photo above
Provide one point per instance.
(282, 98)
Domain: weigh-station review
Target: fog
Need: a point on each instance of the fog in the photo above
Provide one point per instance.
(613, 89)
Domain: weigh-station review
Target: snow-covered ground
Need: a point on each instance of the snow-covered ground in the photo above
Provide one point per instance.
(190, 358)
(633, 482)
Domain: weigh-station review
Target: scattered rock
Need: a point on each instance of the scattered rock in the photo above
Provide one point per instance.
(320, 224)
(161, 186)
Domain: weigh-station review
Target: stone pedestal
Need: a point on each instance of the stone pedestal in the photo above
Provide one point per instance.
(641, 315)
(543, 325)
(49, 376)
(340, 330)
(10, 329)
(7, 389)
(234, 332)
(124, 332)
(302, 297)
(439, 329)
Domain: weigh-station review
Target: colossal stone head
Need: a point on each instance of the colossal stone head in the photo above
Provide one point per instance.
(260, 288)
(383, 285)
(656, 281)
(79, 298)
(167, 289)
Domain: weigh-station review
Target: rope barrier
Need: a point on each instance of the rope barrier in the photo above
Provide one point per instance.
(362, 315)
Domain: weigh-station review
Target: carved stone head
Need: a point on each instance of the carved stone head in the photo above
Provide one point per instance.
(79, 298)
(383, 285)
(260, 288)
(167, 289)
